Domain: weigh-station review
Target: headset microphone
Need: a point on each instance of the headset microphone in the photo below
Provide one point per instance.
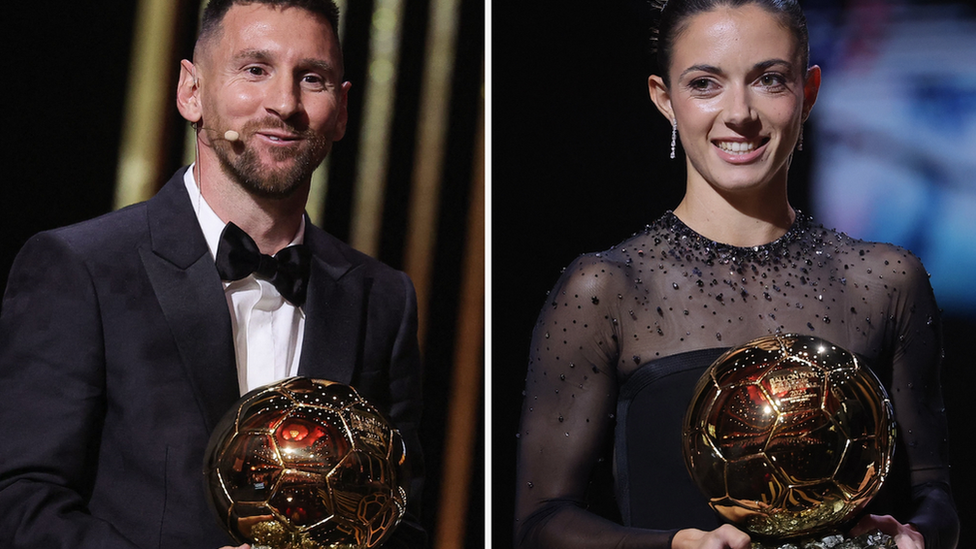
(229, 135)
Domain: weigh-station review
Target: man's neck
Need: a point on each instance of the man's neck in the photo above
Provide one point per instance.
(273, 223)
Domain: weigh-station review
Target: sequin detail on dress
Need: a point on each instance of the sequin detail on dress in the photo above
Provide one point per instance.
(666, 291)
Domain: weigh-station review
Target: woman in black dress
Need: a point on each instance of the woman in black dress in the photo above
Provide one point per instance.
(625, 333)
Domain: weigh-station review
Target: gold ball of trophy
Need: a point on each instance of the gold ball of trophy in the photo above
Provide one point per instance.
(788, 436)
(306, 463)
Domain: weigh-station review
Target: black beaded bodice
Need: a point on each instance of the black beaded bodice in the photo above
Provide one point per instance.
(668, 290)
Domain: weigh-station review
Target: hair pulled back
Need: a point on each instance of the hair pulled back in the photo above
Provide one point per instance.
(674, 16)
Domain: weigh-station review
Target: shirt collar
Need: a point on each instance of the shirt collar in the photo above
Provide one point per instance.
(210, 223)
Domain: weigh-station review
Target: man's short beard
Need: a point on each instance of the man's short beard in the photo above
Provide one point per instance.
(248, 171)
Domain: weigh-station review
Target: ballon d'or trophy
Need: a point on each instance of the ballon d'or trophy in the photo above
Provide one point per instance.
(306, 464)
(789, 437)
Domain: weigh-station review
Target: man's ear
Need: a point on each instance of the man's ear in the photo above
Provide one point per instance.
(343, 117)
(660, 95)
(188, 92)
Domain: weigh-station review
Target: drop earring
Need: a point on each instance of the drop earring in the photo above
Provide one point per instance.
(674, 135)
(799, 142)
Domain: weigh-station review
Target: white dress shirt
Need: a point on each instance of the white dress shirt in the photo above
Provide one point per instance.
(268, 329)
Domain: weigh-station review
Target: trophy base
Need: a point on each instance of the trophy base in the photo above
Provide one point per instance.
(869, 540)
(270, 534)
(314, 546)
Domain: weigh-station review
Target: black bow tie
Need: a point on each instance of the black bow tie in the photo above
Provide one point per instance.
(238, 256)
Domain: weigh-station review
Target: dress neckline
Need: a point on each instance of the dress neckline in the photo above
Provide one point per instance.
(687, 244)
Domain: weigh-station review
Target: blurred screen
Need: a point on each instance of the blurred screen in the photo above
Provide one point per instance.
(895, 133)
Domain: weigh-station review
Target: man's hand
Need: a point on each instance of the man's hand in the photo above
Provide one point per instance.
(723, 537)
(906, 536)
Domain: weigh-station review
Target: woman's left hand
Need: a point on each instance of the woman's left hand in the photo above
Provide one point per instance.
(906, 536)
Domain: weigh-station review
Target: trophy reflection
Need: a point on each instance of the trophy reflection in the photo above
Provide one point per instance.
(306, 464)
(789, 437)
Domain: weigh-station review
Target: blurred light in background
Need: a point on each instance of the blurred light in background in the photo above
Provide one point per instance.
(895, 133)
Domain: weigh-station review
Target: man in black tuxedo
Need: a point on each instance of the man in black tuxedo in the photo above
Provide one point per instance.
(125, 338)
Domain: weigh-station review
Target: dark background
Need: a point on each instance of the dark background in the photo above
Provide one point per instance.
(580, 162)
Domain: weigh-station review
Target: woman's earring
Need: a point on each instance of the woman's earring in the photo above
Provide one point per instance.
(799, 142)
(674, 135)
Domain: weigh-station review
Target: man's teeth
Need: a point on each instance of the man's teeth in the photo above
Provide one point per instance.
(737, 147)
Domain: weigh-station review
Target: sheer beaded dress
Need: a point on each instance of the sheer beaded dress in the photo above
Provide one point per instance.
(625, 334)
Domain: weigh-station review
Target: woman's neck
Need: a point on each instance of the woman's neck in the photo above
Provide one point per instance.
(738, 220)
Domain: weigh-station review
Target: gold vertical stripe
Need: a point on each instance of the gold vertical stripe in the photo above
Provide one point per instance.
(140, 154)
(315, 207)
(384, 54)
(468, 360)
(428, 159)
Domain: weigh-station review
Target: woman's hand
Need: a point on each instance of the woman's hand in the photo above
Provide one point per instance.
(906, 536)
(723, 537)
(245, 546)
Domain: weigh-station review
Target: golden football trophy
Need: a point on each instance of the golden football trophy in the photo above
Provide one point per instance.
(789, 437)
(306, 464)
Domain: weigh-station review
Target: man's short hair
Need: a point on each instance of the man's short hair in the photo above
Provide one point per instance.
(215, 11)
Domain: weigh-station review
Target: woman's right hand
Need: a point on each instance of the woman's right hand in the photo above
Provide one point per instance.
(723, 537)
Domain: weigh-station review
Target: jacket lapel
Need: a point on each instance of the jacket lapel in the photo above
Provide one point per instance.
(334, 311)
(191, 296)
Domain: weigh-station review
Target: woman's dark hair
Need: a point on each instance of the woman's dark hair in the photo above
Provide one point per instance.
(675, 14)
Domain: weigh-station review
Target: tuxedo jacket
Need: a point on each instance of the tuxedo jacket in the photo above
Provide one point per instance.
(117, 360)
